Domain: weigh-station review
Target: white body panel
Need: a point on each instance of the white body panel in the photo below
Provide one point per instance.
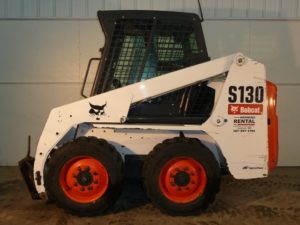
(141, 141)
(246, 153)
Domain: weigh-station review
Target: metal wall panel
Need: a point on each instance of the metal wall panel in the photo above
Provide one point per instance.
(190, 6)
(161, 5)
(289, 9)
(177, 5)
(63, 9)
(40, 52)
(212, 9)
(273, 8)
(112, 4)
(298, 9)
(13, 9)
(80, 8)
(289, 120)
(30, 8)
(46, 8)
(144, 4)
(209, 9)
(94, 6)
(27, 109)
(224, 9)
(2, 8)
(129, 4)
(91, 40)
(240, 9)
(256, 9)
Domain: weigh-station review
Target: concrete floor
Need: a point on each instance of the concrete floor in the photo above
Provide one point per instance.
(274, 200)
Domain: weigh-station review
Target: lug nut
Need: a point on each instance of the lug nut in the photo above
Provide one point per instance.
(87, 168)
(75, 184)
(172, 184)
(179, 189)
(192, 182)
(96, 182)
(95, 173)
(192, 174)
(79, 168)
(90, 188)
(186, 169)
(82, 189)
(177, 169)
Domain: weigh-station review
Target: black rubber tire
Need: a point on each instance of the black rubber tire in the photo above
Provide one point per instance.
(98, 149)
(181, 147)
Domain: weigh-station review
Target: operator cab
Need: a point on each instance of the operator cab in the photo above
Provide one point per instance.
(140, 45)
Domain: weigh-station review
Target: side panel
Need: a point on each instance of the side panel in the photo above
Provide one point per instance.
(129, 141)
(241, 120)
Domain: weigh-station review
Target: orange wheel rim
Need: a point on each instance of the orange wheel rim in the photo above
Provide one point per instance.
(84, 179)
(182, 180)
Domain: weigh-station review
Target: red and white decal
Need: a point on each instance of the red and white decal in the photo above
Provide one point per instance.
(245, 109)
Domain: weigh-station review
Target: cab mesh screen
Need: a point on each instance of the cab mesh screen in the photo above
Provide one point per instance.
(145, 48)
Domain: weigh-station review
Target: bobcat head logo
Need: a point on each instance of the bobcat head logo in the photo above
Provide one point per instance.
(97, 110)
(234, 109)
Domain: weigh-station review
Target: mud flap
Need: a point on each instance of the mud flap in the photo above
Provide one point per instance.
(26, 167)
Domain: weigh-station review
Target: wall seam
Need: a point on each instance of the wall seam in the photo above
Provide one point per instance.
(264, 9)
(216, 8)
(119, 5)
(5, 8)
(248, 9)
(297, 9)
(151, 4)
(70, 5)
(22, 10)
(38, 8)
(54, 8)
(231, 8)
(87, 3)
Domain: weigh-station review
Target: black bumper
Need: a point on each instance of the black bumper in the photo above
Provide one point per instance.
(26, 167)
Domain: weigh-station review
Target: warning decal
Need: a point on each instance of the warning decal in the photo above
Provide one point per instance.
(245, 109)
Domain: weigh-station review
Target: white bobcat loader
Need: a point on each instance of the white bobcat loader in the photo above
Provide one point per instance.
(158, 99)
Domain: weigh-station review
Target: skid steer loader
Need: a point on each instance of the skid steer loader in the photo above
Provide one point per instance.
(157, 98)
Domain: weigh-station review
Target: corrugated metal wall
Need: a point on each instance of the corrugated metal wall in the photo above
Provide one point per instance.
(213, 9)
